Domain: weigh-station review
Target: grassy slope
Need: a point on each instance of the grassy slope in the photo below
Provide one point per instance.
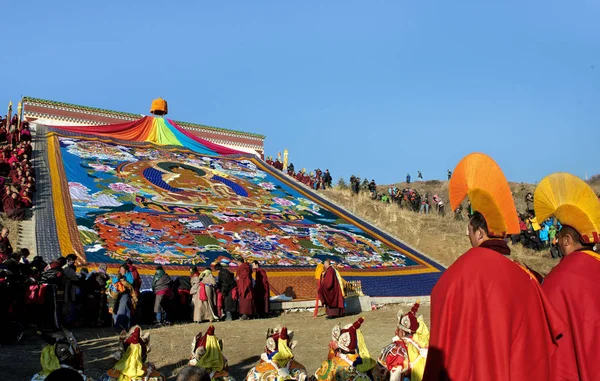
(441, 238)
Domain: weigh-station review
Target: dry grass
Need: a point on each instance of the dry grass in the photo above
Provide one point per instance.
(441, 238)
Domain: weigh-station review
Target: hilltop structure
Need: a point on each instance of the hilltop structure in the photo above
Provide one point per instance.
(52, 113)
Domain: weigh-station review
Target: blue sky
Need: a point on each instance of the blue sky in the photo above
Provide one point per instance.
(373, 88)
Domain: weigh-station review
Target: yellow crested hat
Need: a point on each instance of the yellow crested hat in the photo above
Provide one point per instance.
(572, 202)
(481, 179)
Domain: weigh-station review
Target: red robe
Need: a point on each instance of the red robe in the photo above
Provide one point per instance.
(137, 280)
(330, 293)
(490, 321)
(573, 289)
(244, 286)
(261, 291)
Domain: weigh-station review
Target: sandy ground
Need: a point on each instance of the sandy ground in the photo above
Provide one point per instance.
(243, 343)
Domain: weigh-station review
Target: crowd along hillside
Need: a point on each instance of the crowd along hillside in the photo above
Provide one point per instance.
(441, 237)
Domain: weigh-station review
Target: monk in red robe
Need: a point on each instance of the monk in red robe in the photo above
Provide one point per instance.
(489, 317)
(573, 289)
(12, 208)
(330, 291)
(244, 285)
(572, 286)
(261, 290)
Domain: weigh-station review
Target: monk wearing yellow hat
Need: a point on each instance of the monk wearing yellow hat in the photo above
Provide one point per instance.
(489, 317)
(573, 286)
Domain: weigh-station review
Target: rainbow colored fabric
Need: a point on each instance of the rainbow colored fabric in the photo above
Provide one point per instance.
(154, 130)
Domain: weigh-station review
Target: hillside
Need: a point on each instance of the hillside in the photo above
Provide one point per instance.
(441, 238)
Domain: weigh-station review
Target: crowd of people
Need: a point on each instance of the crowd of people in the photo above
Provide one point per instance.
(406, 198)
(58, 294)
(316, 179)
(17, 175)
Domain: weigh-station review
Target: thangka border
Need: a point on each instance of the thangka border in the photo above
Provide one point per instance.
(46, 234)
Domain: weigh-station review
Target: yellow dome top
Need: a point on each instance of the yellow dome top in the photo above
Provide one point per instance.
(159, 107)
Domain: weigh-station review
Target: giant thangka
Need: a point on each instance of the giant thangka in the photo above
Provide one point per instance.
(151, 192)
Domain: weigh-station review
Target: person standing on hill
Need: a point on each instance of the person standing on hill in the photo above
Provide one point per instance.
(529, 202)
(487, 304)
(572, 286)
(330, 291)
(162, 288)
(226, 283)
(355, 184)
(449, 174)
(408, 178)
(261, 290)
(327, 179)
(544, 236)
(244, 285)
(373, 189)
(365, 184)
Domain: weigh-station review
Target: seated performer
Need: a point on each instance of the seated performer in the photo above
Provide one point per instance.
(404, 358)
(348, 358)
(131, 359)
(277, 362)
(60, 353)
(207, 354)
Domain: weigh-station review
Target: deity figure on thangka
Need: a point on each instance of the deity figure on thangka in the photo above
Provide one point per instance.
(62, 352)
(131, 359)
(348, 358)
(277, 361)
(207, 354)
(404, 358)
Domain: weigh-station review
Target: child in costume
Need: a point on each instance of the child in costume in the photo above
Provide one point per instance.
(277, 362)
(63, 352)
(348, 358)
(207, 354)
(131, 359)
(404, 359)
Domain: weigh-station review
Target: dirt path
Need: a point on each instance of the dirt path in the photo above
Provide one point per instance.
(243, 343)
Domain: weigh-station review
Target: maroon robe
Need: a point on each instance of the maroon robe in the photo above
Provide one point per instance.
(490, 321)
(261, 292)
(573, 289)
(330, 293)
(13, 209)
(5, 246)
(244, 286)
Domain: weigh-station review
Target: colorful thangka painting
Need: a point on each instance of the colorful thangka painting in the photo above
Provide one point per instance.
(177, 208)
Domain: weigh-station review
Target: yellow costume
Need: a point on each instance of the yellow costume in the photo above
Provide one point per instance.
(277, 362)
(207, 354)
(407, 354)
(348, 358)
(131, 362)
